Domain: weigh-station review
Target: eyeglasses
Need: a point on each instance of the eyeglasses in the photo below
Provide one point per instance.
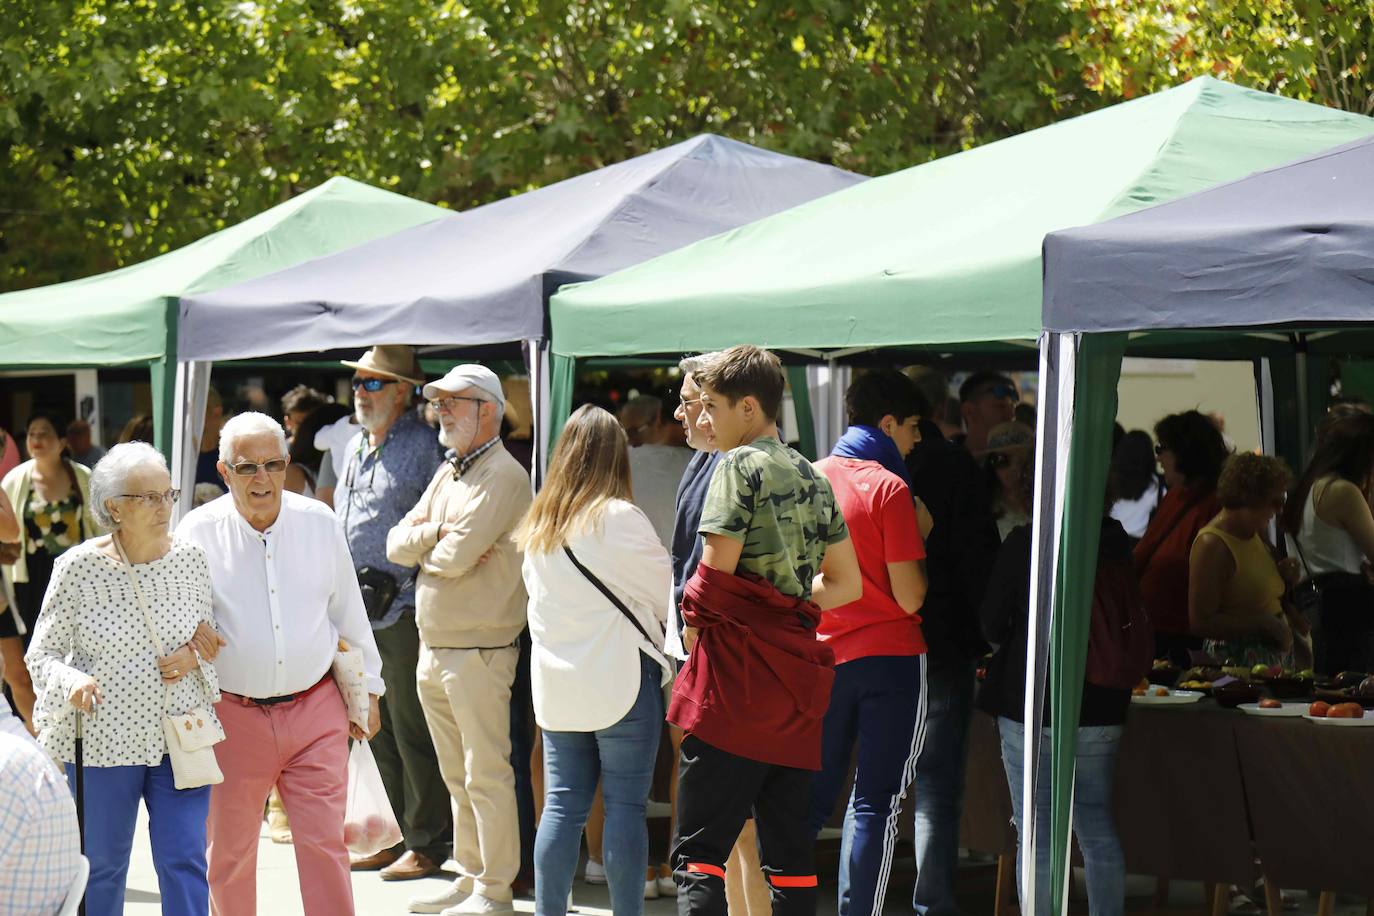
(451, 402)
(998, 460)
(688, 402)
(373, 385)
(249, 468)
(153, 500)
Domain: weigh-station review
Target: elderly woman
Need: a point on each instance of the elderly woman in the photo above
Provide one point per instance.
(92, 655)
(49, 496)
(1235, 588)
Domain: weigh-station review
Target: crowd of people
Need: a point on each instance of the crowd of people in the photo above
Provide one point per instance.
(682, 582)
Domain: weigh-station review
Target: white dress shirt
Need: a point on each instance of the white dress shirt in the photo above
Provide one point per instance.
(584, 666)
(283, 597)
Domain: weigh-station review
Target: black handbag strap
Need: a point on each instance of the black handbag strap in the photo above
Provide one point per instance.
(610, 595)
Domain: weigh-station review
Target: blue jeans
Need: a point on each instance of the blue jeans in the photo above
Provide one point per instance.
(622, 756)
(938, 790)
(877, 703)
(1095, 769)
(176, 827)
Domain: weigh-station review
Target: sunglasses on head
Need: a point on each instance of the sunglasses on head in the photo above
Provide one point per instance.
(373, 385)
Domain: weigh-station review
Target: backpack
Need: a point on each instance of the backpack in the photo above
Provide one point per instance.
(1121, 642)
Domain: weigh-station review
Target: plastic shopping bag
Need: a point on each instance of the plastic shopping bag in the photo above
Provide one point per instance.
(369, 824)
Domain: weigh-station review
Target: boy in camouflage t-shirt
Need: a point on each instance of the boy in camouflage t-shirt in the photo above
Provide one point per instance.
(775, 543)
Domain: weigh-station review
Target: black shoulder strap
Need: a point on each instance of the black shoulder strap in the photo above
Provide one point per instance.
(610, 595)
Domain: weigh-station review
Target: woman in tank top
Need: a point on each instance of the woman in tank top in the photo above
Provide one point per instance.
(1330, 530)
(1235, 588)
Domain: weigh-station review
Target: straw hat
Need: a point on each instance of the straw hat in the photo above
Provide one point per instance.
(394, 361)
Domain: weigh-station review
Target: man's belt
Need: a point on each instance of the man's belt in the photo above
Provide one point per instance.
(274, 701)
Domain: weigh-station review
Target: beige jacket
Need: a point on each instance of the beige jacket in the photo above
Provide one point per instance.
(459, 602)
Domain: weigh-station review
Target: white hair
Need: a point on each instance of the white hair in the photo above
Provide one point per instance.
(486, 397)
(691, 365)
(250, 423)
(109, 478)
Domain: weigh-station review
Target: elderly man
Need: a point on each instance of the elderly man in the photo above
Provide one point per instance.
(470, 614)
(285, 593)
(390, 461)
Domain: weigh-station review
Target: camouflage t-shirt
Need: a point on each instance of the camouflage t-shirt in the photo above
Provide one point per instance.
(783, 510)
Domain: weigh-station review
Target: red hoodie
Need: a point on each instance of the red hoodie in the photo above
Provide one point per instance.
(757, 683)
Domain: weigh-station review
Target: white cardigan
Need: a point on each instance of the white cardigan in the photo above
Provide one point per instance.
(585, 667)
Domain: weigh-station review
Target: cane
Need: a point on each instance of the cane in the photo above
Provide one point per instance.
(80, 800)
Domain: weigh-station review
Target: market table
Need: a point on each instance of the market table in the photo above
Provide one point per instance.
(1202, 790)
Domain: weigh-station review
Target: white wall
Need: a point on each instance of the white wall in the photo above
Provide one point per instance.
(1153, 388)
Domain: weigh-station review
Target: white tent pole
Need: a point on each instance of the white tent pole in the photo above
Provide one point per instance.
(1054, 421)
(192, 392)
(536, 353)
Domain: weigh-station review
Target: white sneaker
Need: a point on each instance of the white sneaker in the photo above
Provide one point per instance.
(478, 904)
(650, 888)
(437, 902)
(667, 887)
(595, 872)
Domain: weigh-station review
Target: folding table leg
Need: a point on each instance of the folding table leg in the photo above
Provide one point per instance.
(1273, 901)
(1326, 903)
(1005, 897)
(1218, 898)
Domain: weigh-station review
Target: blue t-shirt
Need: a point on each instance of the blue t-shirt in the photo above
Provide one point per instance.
(687, 543)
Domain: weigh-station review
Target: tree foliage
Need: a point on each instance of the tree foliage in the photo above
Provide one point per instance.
(130, 127)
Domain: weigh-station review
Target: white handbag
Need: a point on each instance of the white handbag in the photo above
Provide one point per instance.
(192, 736)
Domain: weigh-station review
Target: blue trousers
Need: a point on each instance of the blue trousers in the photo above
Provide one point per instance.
(176, 825)
(1093, 824)
(878, 703)
(938, 790)
(623, 756)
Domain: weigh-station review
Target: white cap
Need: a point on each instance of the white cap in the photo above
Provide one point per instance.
(469, 375)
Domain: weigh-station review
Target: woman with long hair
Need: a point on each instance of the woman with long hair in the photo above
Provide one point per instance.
(1191, 452)
(1135, 484)
(1330, 531)
(50, 494)
(597, 577)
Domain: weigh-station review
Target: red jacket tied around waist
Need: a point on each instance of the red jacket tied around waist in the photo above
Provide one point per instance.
(757, 683)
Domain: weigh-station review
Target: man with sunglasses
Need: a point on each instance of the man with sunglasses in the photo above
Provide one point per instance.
(985, 400)
(284, 594)
(471, 610)
(388, 463)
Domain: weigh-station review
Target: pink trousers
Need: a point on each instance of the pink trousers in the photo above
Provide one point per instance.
(301, 747)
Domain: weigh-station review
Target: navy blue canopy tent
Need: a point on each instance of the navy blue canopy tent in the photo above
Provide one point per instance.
(1270, 267)
(483, 277)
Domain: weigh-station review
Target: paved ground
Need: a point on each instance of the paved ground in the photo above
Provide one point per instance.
(278, 893)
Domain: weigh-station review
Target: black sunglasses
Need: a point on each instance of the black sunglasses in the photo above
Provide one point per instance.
(373, 385)
(1161, 448)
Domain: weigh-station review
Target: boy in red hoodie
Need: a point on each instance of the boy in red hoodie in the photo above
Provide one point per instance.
(753, 694)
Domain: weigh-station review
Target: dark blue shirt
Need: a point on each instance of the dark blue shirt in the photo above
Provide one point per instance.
(380, 485)
(687, 542)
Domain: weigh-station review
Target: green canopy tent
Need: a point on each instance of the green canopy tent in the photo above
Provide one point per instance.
(129, 316)
(943, 257)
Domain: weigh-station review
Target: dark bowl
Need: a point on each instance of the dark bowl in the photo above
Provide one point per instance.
(1232, 695)
(1349, 679)
(1165, 676)
(1342, 696)
(1288, 688)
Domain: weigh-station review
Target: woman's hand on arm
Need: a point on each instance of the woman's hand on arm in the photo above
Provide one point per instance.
(176, 666)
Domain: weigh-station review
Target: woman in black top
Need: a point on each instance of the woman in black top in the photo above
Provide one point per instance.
(1004, 617)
